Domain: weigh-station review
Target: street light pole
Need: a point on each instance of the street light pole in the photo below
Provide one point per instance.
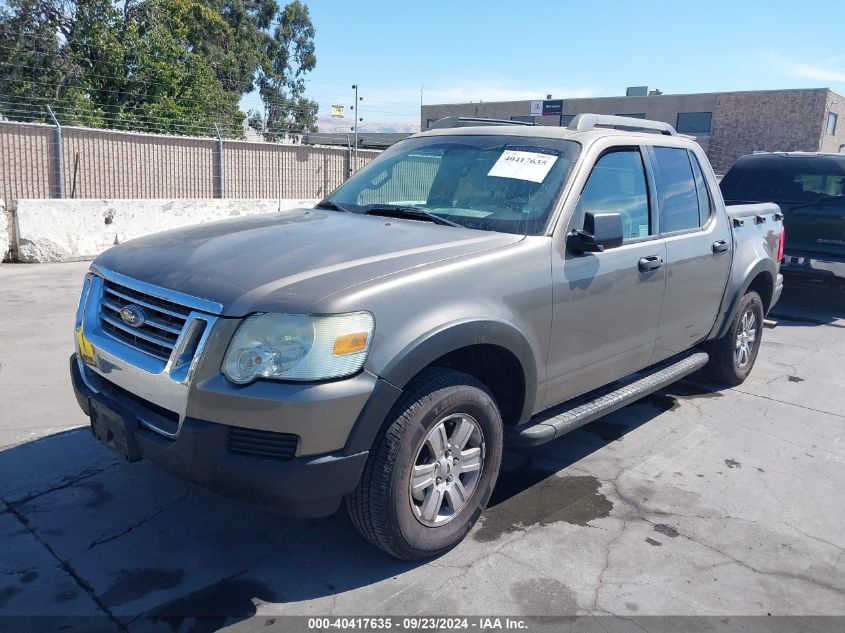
(355, 108)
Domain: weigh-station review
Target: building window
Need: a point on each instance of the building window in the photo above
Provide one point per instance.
(694, 122)
(831, 123)
(640, 115)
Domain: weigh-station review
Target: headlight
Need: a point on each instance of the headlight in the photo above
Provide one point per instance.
(298, 347)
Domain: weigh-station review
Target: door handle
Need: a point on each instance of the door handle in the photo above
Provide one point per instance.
(647, 264)
(720, 247)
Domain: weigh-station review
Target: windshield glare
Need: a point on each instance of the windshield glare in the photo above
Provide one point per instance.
(492, 183)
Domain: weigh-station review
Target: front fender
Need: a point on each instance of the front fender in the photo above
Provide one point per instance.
(426, 349)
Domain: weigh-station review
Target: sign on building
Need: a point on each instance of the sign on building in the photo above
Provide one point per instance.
(553, 107)
(547, 107)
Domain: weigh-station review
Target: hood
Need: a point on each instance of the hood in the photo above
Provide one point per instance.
(288, 261)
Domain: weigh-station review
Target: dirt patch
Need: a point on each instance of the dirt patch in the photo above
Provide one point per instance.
(544, 596)
(666, 530)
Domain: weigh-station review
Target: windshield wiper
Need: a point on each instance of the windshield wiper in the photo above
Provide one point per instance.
(414, 213)
(819, 200)
(328, 204)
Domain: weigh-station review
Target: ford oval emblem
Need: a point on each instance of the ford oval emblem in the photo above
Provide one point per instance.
(132, 316)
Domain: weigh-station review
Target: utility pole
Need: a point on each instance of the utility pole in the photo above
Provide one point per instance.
(355, 127)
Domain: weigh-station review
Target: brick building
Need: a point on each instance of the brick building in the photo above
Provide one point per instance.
(726, 124)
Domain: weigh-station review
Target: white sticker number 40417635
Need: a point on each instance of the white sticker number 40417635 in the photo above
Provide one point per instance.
(521, 165)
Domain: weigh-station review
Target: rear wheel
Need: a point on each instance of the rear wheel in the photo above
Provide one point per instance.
(733, 355)
(431, 473)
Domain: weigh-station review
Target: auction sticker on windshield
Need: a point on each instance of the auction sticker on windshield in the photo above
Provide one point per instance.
(523, 165)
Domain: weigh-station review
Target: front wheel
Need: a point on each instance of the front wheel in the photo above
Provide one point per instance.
(733, 355)
(431, 473)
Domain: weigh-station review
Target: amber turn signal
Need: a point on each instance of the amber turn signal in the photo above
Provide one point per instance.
(350, 343)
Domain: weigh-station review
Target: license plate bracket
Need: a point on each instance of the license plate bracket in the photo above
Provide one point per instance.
(115, 430)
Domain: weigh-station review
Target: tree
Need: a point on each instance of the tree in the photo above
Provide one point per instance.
(177, 66)
(290, 54)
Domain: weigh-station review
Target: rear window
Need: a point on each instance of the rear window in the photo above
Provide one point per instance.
(787, 179)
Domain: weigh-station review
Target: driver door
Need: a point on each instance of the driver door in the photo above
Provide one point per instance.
(607, 305)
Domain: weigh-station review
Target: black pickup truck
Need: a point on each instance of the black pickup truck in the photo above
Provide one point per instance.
(810, 190)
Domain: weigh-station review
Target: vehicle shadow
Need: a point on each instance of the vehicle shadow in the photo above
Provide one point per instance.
(150, 549)
(154, 551)
(805, 303)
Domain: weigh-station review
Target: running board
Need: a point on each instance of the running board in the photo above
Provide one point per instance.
(577, 412)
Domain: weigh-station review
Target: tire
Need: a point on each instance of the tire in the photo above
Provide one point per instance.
(402, 521)
(727, 364)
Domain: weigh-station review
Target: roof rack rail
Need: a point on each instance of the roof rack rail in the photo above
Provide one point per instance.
(464, 121)
(583, 122)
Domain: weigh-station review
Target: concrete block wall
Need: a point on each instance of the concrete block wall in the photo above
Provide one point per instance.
(834, 142)
(69, 230)
(742, 122)
(115, 165)
(4, 231)
(777, 120)
(492, 110)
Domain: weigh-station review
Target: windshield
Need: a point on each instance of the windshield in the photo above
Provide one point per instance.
(785, 179)
(492, 183)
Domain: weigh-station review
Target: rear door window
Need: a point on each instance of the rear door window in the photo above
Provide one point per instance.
(677, 191)
(705, 204)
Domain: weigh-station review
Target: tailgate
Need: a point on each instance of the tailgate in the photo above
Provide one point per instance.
(817, 230)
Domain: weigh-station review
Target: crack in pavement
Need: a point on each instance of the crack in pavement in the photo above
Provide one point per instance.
(742, 563)
(642, 511)
(606, 566)
(791, 404)
(102, 540)
(86, 474)
(67, 568)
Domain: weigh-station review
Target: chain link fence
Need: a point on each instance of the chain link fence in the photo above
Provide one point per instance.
(45, 161)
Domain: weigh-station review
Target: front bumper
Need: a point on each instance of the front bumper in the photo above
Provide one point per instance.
(812, 266)
(309, 486)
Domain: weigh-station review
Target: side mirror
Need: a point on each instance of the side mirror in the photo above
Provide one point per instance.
(601, 231)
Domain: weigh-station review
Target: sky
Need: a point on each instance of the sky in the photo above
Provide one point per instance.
(401, 51)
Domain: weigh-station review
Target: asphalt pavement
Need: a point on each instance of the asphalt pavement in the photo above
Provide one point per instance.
(697, 500)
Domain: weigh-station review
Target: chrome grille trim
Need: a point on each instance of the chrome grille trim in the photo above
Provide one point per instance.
(162, 325)
(144, 302)
(152, 338)
(189, 301)
(125, 356)
(154, 322)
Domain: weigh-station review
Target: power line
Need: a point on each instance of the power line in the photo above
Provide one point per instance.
(244, 87)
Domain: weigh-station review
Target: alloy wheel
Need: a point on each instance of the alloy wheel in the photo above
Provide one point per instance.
(446, 469)
(746, 339)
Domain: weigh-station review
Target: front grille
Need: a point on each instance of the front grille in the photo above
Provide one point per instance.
(163, 319)
(263, 443)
